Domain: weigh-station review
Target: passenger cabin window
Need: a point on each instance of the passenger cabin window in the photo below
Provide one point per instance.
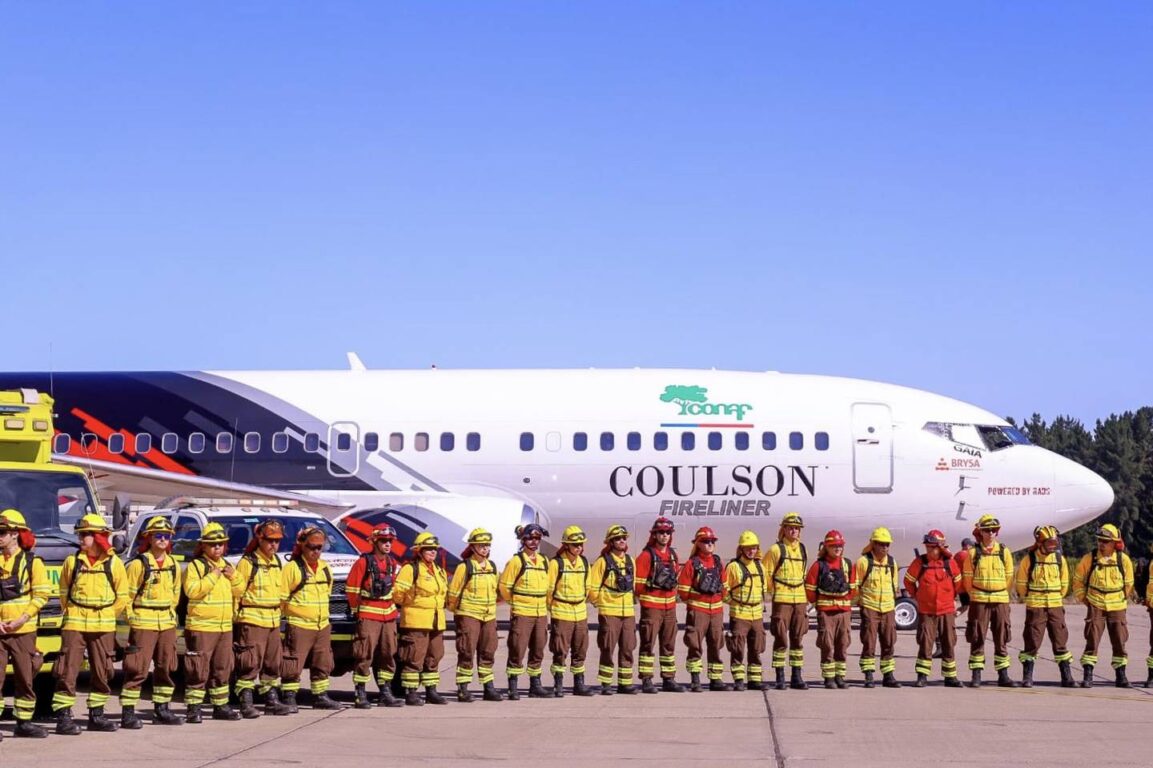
(223, 442)
(526, 441)
(608, 441)
(280, 442)
(688, 441)
(61, 443)
(741, 441)
(472, 441)
(580, 441)
(371, 441)
(169, 443)
(633, 441)
(116, 443)
(821, 441)
(420, 441)
(396, 442)
(197, 442)
(447, 441)
(661, 441)
(769, 441)
(88, 440)
(714, 441)
(343, 442)
(311, 442)
(143, 443)
(796, 441)
(252, 442)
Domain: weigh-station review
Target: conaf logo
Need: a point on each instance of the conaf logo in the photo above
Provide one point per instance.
(694, 401)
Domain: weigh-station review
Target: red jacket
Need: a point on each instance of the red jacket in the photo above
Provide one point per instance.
(661, 599)
(959, 561)
(933, 586)
(827, 602)
(359, 589)
(687, 585)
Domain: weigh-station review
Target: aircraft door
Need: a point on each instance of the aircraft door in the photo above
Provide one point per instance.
(872, 448)
(343, 448)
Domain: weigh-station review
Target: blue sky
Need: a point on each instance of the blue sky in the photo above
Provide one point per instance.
(954, 197)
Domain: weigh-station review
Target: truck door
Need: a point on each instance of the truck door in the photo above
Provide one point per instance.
(872, 448)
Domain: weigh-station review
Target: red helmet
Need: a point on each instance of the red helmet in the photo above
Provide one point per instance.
(934, 537)
(834, 539)
(705, 533)
(383, 532)
(662, 525)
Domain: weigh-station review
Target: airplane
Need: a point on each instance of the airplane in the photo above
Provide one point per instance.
(449, 450)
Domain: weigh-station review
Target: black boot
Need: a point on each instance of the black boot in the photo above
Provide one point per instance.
(513, 694)
(193, 716)
(248, 708)
(536, 689)
(647, 686)
(29, 730)
(1149, 680)
(432, 695)
(1004, 681)
(756, 685)
(386, 699)
(162, 715)
(579, 688)
(273, 705)
(670, 685)
(492, 694)
(627, 689)
(98, 722)
(840, 681)
(923, 680)
(558, 686)
(975, 682)
(780, 684)
(829, 684)
(869, 680)
(1027, 674)
(740, 685)
(412, 698)
(1066, 668)
(463, 694)
(1087, 678)
(289, 701)
(324, 701)
(1122, 681)
(129, 720)
(890, 680)
(607, 689)
(65, 725)
(695, 685)
(953, 682)
(224, 712)
(798, 682)
(359, 697)
(718, 685)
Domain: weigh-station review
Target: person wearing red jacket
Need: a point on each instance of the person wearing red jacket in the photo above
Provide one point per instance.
(830, 586)
(933, 579)
(656, 588)
(369, 590)
(701, 586)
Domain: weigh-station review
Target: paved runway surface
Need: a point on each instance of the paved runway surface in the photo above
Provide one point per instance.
(1046, 726)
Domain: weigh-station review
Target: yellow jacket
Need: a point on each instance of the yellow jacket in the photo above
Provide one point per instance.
(153, 604)
(524, 584)
(32, 585)
(1106, 586)
(421, 590)
(1050, 581)
(259, 590)
(747, 588)
(605, 584)
(92, 596)
(786, 583)
(209, 596)
(1149, 588)
(474, 595)
(878, 591)
(568, 589)
(988, 576)
(307, 599)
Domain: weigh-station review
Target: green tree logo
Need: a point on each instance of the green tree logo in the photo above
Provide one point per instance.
(683, 395)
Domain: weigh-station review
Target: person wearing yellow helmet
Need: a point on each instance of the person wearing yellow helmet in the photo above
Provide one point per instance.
(259, 653)
(1103, 581)
(877, 588)
(786, 563)
(209, 581)
(307, 588)
(987, 578)
(25, 589)
(1041, 583)
(747, 589)
(472, 597)
(523, 585)
(610, 589)
(93, 592)
(154, 578)
(421, 591)
(568, 578)
(369, 588)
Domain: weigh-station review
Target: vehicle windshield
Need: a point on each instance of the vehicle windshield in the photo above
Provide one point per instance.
(990, 437)
(51, 502)
(240, 532)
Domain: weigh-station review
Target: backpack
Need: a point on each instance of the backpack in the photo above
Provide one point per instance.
(1089, 574)
(945, 561)
(306, 574)
(662, 575)
(624, 581)
(781, 561)
(147, 574)
(890, 566)
(10, 588)
(107, 574)
(524, 567)
(708, 581)
(380, 584)
(560, 575)
(746, 575)
(470, 571)
(833, 581)
(1033, 567)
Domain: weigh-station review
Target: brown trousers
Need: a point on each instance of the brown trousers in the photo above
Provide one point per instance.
(619, 634)
(420, 653)
(20, 651)
(259, 653)
(659, 626)
(788, 624)
(1037, 622)
(526, 633)
(833, 637)
(705, 632)
(101, 647)
(930, 629)
(568, 637)
(476, 643)
(208, 663)
(375, 648)
(746, 634)
(145, 647)
(313, 646)
(877, 626)
(1096, 621)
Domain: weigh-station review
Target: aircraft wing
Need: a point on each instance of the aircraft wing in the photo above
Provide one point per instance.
(146, 486)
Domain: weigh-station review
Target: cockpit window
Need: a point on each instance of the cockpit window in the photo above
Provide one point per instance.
(990, 437)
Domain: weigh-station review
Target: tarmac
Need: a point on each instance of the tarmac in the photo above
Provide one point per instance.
(1046, 725)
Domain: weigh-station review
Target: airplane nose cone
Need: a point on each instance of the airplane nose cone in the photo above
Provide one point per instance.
(1081, 493)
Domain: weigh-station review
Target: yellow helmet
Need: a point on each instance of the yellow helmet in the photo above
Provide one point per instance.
(748, 539)
(479, 536)
(881, 535)
(573, 535)
(426, 540)
(158, 525)
(14, 519)
(792, 519)
(1045, 532)
(989, 523)
(91, 523)
(616, 532)
(214, 533)
(1108, 532)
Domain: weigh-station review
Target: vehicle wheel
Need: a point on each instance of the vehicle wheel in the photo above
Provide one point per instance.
(905, 614)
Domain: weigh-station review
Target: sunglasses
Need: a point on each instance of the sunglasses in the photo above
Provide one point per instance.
(162, 536)
(7, 531)
(708, 541)
(274, 541)
(314, 547)
(216, 543)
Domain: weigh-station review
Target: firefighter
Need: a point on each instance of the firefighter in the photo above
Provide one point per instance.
(259, 593)
(830, 586)
(421, 592)
(701, 586)
(307, 588)
(154, 581)
(987, 579)
(656, 587)
(932, 579)
(209, 582)
(93, 592)
(746, 590)
(369, 588)
(524, 586)
(1103, 581)
(610, 589)
(1042, 581)
(568, 579)
(877, 588)
(785, 564)
(24, 590)
(472, 597)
